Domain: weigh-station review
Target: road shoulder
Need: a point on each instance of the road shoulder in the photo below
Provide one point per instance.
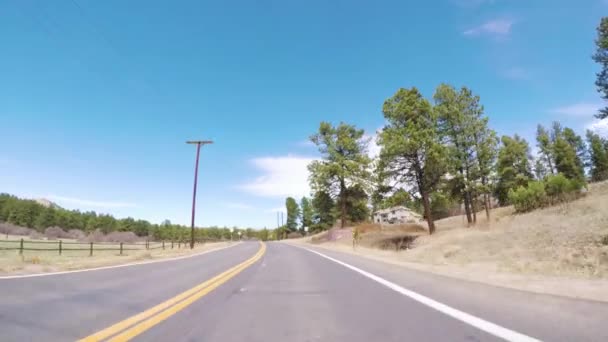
(589, 289)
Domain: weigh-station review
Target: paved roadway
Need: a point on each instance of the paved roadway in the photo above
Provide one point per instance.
(291, 294)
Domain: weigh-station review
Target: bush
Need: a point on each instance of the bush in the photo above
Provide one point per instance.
(52, 233)
(555, 189)
(530, 198)
(561, 189)
(557, 185)
(126, 237)
(96, 236)
(10, 229)
(76, 234)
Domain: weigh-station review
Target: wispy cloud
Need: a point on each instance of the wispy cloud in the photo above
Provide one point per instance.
(90, 203)
(373, 150)
(495, 27)
(599, 126)
(581, 109)
(281, 176)
(238, 206)
(516, 73)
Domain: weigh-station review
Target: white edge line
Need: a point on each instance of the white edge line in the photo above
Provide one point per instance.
(114, 266)
(477, 322)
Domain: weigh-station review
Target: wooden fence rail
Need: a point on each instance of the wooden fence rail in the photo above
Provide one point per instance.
(61, 246)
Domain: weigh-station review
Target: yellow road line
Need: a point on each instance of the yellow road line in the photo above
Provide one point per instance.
(170, 306)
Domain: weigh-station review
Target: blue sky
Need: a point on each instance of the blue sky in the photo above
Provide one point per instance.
(98, 97)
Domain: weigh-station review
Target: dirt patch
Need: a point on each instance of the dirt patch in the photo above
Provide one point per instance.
(397, 242)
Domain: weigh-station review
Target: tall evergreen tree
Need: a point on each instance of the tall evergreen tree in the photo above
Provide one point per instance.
(598, 157)
(457, 116)
(324, 210)
(512, 167)
(293, 212)
(411, 150)
(344, 163)
(601, 57)
(306, 212)
(545, 147)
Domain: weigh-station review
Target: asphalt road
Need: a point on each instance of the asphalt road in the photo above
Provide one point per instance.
(290, 294)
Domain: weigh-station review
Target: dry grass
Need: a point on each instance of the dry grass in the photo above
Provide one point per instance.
(49, 261)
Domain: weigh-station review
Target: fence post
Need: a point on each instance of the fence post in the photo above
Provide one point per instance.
(163, 244)
(147, 244)
(91, 249)
(60, 247)
(121, 248)
(21, 247)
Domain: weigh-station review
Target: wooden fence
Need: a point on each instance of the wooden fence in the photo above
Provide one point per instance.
(65, 246)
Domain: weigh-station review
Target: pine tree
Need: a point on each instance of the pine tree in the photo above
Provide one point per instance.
(598, 157)
(601, 57)
(344, 163)
(545, 147)
(512, 167)
(411, 149)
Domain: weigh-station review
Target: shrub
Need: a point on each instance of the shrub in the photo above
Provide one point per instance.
(562, 189)
(7, 228)
(126, 237)
(530, 198)
(52, 233)
(555, 189)
(96, 236)
(557, 185)
(76, 234)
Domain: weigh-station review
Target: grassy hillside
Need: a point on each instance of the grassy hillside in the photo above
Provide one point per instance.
(565, 240)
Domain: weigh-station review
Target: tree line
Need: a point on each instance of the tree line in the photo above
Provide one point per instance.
(31, 214)
(440, 153)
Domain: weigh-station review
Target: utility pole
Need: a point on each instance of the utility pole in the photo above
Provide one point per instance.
(198, 144)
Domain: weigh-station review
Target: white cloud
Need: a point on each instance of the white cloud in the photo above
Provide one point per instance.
(600, 127)
(238, 206)
(373, 150)
(496, 27)
(581, 109)
(90, 203)
(516, 73)
(281, 177)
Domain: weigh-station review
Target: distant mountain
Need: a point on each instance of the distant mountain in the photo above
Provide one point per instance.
(46, 203)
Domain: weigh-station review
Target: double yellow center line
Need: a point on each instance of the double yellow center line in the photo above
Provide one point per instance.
(135, 325)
